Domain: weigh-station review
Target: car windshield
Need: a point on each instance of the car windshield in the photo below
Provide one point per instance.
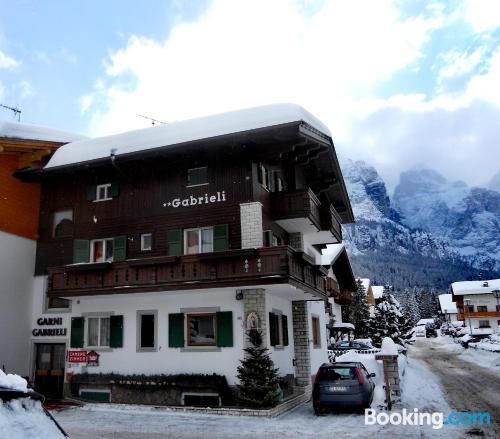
(344, 344)
(337, 373)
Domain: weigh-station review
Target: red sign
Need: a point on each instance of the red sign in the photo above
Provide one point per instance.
(93, 358)
(77, 357)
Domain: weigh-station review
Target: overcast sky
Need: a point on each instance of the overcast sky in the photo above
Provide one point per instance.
(399, 83)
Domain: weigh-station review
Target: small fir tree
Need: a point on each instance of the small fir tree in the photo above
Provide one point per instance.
(359, 312)
(387, 319)
(259, 380)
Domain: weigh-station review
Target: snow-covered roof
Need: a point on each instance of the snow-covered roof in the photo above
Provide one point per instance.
(13, 130)
(475, 287)
(446, 303)
(331, 253)
(378, 291)
(184, 131)
(423, 322)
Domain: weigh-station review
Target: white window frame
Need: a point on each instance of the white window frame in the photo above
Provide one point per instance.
(107, 187)
(92, 244)
(199, 229)
(143, 247)
(87, 321)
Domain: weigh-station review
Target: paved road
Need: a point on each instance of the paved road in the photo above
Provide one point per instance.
(467, 387)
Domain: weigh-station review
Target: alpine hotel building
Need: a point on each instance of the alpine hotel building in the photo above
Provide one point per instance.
(160, 248)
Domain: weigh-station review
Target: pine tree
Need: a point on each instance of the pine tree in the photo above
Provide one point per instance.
(259, 380)
(359, 312)
(387, 319)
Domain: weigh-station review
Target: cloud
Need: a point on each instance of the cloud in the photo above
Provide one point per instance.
(7, 62)
(482, 15)
(24, 89)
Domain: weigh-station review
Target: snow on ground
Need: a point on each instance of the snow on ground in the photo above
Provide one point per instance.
(24, 419)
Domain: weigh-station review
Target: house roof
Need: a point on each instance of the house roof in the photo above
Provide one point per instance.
(446, 303)
(336, 256)
(475, 287)
(176, 133)
(22, 131)
(378, 291)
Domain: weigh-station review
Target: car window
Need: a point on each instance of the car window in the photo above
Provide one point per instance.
(344, 344)
(338, 373)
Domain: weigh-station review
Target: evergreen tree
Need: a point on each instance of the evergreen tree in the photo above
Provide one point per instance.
(387, 319)
(359, 312)
(259, 380)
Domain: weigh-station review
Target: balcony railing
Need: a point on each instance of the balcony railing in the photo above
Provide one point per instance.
(477, 314)
(261, 266)
(302, 203)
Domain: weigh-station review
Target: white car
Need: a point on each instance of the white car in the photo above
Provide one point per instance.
(420, 331)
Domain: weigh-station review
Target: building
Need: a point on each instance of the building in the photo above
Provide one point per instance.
(448, 307)
(160, 248)
(22, 147)
(477, 304)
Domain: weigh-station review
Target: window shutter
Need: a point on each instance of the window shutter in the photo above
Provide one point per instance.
(225, 329)
(176, 330)
(221, 237)
(119, 248)
(174, 242)
(77, 324)
(268, 238)
(81, 251)
(114, 190)
(91, 192)
(284, 327)
(272, 329)
(116, 332)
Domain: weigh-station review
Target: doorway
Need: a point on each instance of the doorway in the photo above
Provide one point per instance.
(49, 369)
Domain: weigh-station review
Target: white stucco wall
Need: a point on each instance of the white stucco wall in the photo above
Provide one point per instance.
(318, 355)
(17, 264)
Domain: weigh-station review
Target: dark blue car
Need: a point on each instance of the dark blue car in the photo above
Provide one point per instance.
(342, 385)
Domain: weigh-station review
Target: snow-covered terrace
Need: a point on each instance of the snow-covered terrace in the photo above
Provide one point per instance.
(177, 133)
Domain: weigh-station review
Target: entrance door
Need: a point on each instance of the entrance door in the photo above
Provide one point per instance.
(49, 372)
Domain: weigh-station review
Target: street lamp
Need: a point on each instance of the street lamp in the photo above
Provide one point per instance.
(467, 304)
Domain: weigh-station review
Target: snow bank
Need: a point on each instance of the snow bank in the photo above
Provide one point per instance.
(14, 382)
(24, 418)
(388, 347)
(184, 131)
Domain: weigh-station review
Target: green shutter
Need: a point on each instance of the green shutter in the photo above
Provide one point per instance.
(225, 329)
(77, 325)
(176, 330)
(284, 327)
(116, 332)
(81, 251)
(119, 248)
(221, 237)
(272, 329)
(91, 193)
(174, 242)
(114, 190)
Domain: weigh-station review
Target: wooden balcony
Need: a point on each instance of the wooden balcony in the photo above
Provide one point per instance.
(248, 267)
(301, 211)
(478, 314)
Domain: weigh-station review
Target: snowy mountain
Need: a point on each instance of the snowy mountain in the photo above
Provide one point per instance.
(468, 219)
(386, 248)
(494, 183)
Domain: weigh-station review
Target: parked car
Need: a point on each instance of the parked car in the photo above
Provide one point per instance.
(342, 385)
(467, 339)
(420, 331)
(27, 417)
(347, 345)
(430, 330)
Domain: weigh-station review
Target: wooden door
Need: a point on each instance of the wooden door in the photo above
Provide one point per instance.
(49, 372)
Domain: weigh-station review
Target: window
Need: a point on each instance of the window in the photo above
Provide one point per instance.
(198, 240)
(484, 324)
(103, 192)
(278, 329)
(201, 329)
(62, 223)
(469, 308)
(146, 242)
(316, 335)
(197, 176)
(482, 308)
(146, 327)
(98, 331)
(271, 240)
(270, 179)
(101, 250)
(55, 303)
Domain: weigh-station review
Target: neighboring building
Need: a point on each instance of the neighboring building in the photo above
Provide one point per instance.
(160, 248)
(378, 292)
(22, 147)
(448, 307)
(370, 298)
(476, 304)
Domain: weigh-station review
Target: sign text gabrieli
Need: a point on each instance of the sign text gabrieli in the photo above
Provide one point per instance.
(197, 201)
(49, 332)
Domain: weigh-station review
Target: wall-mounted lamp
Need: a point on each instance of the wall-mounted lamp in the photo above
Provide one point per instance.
(239, 295)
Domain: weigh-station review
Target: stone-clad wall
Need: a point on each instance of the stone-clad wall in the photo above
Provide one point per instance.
(301, 343)
(251, 225)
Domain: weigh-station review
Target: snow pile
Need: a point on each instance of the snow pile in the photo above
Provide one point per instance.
(389, 347)
(14, 382)
(24, 418)
(176, 133)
